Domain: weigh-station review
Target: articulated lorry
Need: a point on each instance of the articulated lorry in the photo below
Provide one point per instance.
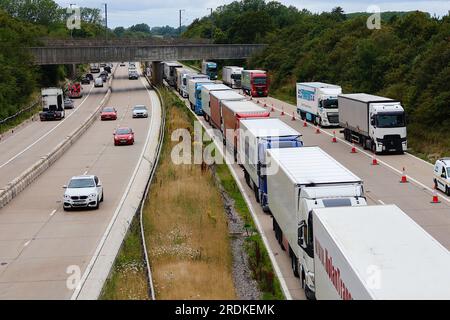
(298, 181)
(52, 104)
(231, 76)
(206, 97)
(190, 76)
(317, 102)
(181, 83)
(377, 123)
(216, 98)
(210, 69)
(232, 113)
(255, 137)
(195, 93)
(255, 83)
(170, 72)
(374, 252)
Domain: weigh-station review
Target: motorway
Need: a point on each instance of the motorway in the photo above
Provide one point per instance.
(381, 183)
(38, 240)
(27, 145)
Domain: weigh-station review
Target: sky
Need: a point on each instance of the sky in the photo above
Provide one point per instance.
(166, 12)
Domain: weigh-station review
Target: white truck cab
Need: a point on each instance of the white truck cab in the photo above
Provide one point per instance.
(442, 175)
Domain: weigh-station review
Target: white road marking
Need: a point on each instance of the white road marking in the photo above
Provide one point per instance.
(380, 201)
(379, 161)
(117, 211)
(45, 135)
(85, 172)
(53, 212)
(27, 243)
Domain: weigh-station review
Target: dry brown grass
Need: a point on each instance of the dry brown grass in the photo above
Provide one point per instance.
(186, 228)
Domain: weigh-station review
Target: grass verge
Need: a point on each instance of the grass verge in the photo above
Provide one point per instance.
(259, 260)
(186, 226)
(128, 280)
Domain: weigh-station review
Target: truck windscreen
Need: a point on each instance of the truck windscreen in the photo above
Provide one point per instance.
(330, 104)
(259, 80)
(236, 76)
(391, 120)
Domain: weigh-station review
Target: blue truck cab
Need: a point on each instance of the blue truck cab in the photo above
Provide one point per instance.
(256, 136)
(195, 94)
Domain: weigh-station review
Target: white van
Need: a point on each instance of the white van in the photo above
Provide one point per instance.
(98, 82)
(442, 175)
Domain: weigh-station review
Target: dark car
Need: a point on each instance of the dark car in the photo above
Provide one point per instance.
(133, 75)
(90, 76)
(85, 80)
(104, 76)
(107, 69)
(68, 103)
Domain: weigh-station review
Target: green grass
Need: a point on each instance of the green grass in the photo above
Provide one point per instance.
(262, 269)
(128, 279)
(19, 119)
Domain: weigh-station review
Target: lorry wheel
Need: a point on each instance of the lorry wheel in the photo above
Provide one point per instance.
(435, 184)
(256, 191)
(247, 178)
(302, 115)
(294, 264)
(373, 147)
(447, 190)
(309, 293)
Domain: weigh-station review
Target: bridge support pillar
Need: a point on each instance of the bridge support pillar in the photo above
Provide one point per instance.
(157, 73)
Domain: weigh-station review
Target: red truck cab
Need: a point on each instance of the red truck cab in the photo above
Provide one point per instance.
(75, 90)
(255, 83)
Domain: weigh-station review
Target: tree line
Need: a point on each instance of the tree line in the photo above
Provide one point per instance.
(408, 58)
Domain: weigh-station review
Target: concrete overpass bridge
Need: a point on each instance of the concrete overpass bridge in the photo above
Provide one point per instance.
(154, 50)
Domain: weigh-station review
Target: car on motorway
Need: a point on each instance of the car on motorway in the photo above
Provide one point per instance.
(104, 76)
(140, 111)
(122, 64)
(98, 82)
(90, 76)
(133, 75)
(123, 135)
(442, 175)
(102, 65)
(85, 191)
(85, 80)
(107, 69)
(68, 103)
(108, 113)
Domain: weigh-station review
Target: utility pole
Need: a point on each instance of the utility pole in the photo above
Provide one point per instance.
(106, 21)
(179, 30)
(71, 30)
(212, 27)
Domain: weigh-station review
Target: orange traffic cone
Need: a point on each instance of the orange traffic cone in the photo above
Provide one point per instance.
(334, 140)
(265, 105)
(293, 115)
(374, 160)
(257, 101)
(304, 123)
(404, 179)
(435, 197)
(282, 111)
(272, 110)
(317, 130)
(353, 148)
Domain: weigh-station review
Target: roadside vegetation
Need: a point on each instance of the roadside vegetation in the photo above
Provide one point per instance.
(259, 261)
(407, 59)
(128, 277)
(186, 228)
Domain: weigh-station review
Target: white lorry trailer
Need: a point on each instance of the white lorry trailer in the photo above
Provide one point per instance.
(377, 123)
(170, 72)
(317, 102)
(194, 75)
(181, 83)
(256, 136)
(205, 96)
(231, 76)
(299, 180)
(375, 252)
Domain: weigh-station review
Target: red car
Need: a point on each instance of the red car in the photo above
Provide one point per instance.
(123, 136)
(108, 113)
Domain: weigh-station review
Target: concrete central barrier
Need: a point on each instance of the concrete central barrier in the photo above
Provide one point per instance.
(28, 176)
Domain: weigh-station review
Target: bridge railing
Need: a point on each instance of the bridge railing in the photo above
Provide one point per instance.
(124, 42)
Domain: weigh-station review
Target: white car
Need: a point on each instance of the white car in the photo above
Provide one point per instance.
(442, 175)
(140, 111)
(84, 191)
(98, 82)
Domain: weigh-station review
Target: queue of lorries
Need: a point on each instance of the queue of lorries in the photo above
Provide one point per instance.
(340, 248)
